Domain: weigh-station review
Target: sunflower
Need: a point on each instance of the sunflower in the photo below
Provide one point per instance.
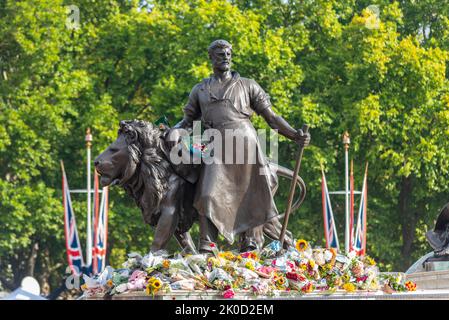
(148, 289)
(280, 280)
(156, 284)
(301, 245)
(349, 287)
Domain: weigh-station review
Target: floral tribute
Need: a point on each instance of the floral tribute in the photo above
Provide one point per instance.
(299, 270)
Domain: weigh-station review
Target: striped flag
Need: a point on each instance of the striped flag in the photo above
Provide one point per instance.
(100, 228)
(330, 231)
(360, 233)
(73, 246)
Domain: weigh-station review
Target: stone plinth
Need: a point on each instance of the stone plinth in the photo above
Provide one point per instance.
(242, 295)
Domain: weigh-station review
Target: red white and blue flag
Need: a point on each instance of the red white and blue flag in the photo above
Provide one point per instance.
(100, 228)
(330, 231)
(360, 233)
(73, 246)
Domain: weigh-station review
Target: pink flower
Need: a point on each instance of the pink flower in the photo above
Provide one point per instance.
(229, 294)
(137, 274)
(266, 269)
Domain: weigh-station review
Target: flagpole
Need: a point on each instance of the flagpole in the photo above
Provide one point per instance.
(365, 208)
(351, 207)
(346, 142)
(89, 215)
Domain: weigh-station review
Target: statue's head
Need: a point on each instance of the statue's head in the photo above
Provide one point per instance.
(220, 53)
(137, 141)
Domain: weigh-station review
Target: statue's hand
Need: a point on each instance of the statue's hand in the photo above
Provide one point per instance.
(302, 138)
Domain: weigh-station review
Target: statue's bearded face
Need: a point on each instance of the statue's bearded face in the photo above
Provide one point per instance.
(221, 59)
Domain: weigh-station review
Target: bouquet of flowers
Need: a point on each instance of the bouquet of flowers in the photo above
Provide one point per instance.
(300, 269)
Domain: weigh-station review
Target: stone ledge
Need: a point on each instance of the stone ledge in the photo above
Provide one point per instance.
(243, 295)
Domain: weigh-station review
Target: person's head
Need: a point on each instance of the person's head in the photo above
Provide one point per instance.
(220, 53)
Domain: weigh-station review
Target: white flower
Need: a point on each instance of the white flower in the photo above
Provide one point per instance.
(90, 282)
(328, 255)
(121, 288)
(352, 254)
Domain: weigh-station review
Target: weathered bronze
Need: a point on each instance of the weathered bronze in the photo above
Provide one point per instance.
(438, 238)
(228, 198)
(138, 161)
(233, 199)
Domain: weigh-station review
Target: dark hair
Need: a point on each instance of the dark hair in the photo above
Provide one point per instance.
(219, 44)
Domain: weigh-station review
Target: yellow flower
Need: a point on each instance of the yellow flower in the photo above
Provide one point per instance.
(249, 265)
(370, 261)
(312, 263)
(301, 245)
(279, 280)
(349, 287)
(228, 255)
(326, 267)
(214, 261)
(166, 264)
(109, 283)
(84, 287)
(153, 285)
(157, 284)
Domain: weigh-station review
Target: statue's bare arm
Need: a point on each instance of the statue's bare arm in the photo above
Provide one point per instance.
(277, 122)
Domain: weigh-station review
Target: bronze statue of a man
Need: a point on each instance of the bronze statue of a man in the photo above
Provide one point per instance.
(233, 198)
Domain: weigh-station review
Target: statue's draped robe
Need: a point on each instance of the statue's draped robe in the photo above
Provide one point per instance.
(235, 197)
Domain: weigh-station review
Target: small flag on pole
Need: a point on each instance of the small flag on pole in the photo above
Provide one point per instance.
(73, 246)
(100, 228)
(330, 231)
(360, 234)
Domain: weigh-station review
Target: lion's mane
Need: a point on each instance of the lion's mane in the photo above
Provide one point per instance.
(146, 176)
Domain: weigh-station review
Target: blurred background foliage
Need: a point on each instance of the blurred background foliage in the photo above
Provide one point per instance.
(374, 68)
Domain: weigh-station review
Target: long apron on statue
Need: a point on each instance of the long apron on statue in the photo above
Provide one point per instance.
(235, 196)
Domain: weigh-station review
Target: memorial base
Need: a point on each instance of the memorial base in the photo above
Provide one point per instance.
(339, 295)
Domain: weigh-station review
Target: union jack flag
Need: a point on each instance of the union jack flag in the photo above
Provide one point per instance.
(330, 231)
(100, 228)
(360, 232)
(73, 246)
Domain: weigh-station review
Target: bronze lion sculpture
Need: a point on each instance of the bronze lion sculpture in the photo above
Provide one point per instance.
(138, 160)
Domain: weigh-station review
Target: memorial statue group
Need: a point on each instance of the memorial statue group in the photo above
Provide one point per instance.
(231, 198)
